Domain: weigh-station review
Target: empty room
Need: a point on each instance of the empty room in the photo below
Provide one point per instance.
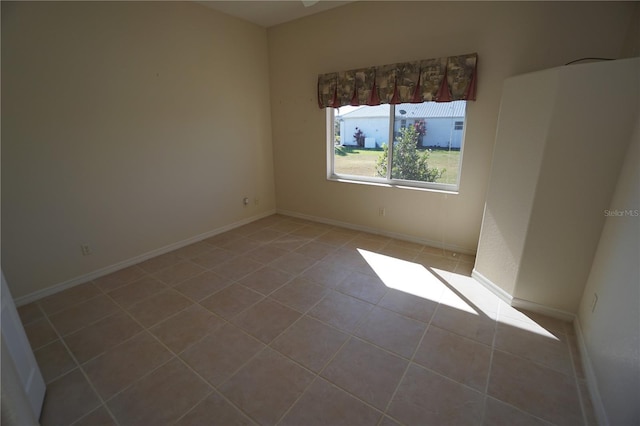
(320, 213)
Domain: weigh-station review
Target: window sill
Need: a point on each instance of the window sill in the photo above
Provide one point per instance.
(444, 189)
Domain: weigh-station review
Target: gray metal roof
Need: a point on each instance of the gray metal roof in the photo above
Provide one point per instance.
(423, 110)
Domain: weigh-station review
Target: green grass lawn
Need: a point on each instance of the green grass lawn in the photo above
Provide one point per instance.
(362, 162)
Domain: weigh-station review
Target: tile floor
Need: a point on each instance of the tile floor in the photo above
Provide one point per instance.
(291, 322)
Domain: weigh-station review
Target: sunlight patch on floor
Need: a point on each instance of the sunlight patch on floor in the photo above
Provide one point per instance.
(447, 288)
(514, 318)
(412, 278)
(451, 299)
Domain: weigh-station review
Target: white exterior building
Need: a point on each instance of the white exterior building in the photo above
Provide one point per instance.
(444, 123)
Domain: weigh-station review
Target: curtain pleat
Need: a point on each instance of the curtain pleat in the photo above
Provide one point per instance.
(440, 80)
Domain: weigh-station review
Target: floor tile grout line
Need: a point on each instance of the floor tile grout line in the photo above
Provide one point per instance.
(206, 395)
(180, 260)
(97, 281)
(169, 289)
(231, 375)
(293, 277)
(493, 343)
(92, 323)
(34, 349)
(214, 388)
(64, 373)
(293, 404)
(75, 304)
(493, 348)
(243, 310)
(103, 406)
(177, 355)
(319, 377)
(228, 401)
(461, 336)
(37, 305)
(143, 299)
(138, 380)
(363, 320)
(285, 329)
(318, 373)
(406, 370)
(174, 356)
(154, 276)
(130, 385)
(128, 339)
(520, 410)
(196, 302)
(84, 375)
(536, 363)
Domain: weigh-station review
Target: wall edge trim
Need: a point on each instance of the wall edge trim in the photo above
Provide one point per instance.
(590, 376)
(489, 285)
(543, 309)
(56, 288)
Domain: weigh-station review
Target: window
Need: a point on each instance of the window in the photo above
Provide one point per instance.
(415, 145)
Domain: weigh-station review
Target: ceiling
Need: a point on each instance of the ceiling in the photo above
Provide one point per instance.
(268, 13)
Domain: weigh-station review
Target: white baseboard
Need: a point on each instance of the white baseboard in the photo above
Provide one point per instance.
(404, 237)
(590, 375)
(56, 288)
(493, 288)
(521, 303)
(543, 309)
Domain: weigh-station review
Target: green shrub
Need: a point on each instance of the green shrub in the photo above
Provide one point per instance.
(408, 162)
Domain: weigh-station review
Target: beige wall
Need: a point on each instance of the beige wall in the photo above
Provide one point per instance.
(510, 39)
(127, 126)
(612, 331)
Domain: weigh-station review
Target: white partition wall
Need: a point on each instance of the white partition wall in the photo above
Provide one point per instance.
(516, 166)
(561, 140)
(23, 387)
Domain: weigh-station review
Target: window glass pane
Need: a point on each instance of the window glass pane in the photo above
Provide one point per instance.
(428, 141)
(360, 133)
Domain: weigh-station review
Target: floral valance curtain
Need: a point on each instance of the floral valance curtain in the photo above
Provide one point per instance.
(439, 80)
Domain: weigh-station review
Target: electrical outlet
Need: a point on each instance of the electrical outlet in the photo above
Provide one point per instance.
(86, 249)
(382, 211)
(245, 201)
(256, 201)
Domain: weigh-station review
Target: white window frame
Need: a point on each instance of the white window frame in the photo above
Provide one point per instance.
(388, 181)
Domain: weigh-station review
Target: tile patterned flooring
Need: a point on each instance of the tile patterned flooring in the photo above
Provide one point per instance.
(290, 322)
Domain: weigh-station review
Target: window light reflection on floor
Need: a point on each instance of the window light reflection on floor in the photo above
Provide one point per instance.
(514, 318)
(410, 277)
(418, 280)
